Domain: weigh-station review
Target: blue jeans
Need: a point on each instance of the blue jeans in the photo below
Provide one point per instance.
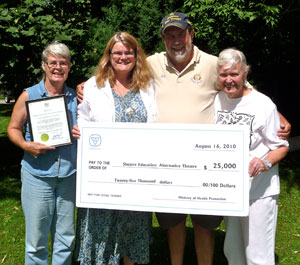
(48, 205)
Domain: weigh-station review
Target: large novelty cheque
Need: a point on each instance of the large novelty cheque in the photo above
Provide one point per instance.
(179, 168)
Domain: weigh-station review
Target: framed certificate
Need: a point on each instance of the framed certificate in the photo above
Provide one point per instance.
(49, 121)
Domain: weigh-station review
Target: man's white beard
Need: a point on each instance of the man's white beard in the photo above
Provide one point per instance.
(180, 57)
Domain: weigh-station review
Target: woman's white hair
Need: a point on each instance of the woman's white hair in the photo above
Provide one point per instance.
(231, 57)
(56, 48)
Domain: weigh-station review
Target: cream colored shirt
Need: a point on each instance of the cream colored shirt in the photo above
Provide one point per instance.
(188, 96)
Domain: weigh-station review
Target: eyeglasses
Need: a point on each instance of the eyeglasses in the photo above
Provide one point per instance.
(54, 64)
(118, 55)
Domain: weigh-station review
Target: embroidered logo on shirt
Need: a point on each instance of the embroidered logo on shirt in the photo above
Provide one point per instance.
(197, 78)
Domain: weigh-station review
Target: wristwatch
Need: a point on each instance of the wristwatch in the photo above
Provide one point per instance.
(269, 164)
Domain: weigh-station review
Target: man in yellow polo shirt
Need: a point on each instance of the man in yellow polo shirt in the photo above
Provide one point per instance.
(185, 86)
(184, 76)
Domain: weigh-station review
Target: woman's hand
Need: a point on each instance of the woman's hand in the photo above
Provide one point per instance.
(15, 128)
(76, 132)
(36, 149)
(256, 166)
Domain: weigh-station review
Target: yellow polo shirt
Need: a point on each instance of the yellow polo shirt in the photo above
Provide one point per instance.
(188, 96)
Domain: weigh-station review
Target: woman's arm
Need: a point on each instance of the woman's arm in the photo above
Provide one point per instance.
(257, 165)
(15, 126)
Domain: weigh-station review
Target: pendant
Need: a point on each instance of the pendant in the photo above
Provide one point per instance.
(130, 111)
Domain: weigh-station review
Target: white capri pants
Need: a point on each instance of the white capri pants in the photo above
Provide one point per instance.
(251, 240)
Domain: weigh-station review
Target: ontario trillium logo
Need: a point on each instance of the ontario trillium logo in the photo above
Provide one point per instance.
(95, 140)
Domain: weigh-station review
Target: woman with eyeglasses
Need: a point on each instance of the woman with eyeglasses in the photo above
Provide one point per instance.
(47, 173)
(120, 91)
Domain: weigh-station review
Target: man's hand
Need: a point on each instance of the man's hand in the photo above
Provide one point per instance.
(285, 128)
(79, 92)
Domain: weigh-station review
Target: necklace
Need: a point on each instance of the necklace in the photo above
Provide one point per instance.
(119, 92)
(130, 111)
(125, 102)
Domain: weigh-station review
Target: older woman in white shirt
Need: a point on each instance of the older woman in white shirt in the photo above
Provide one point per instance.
(251, 240)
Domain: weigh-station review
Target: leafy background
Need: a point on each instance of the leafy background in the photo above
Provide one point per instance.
(266, 30)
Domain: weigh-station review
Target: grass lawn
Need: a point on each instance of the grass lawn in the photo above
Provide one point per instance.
(12, 220)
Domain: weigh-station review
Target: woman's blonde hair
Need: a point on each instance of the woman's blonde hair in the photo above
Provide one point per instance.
(141, 73)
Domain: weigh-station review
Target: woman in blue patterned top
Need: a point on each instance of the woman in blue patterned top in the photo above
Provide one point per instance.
(48, 173)
(120, 91)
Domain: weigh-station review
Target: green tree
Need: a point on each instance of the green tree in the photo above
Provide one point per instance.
(259, 28)
(84, 25)
(225, 23)
(266, 31)
(27, 26)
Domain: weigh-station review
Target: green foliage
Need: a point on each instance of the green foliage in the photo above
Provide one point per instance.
(5, 112)
(84, 25)
(131, 16)
(141, 25)
(257, 28)
(266, 31)
(27, 27)
(224, 23)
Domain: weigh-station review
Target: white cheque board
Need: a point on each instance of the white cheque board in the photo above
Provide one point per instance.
(179, 168)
